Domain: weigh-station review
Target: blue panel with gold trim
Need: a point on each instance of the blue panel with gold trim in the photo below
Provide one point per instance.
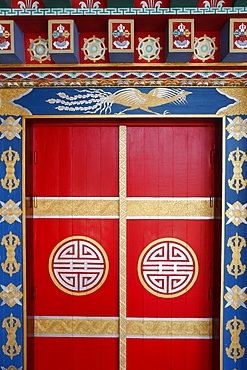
(116, 101)
(113, 101)
(235, 289)
(11, 284)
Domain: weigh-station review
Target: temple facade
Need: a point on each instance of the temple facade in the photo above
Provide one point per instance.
(123, 175)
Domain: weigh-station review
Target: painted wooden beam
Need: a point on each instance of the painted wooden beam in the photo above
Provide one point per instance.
(234, 41)
(63, 40)
(120, 3)
(58, 3)
(239, 2)
(11, 43)
(183, 3)
(5, 3)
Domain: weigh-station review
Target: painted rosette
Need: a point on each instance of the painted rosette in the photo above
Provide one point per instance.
(168, 267)
(78, 265)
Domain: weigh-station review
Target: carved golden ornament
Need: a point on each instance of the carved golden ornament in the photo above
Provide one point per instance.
(237, 128)
(10, 211)
(170, 328)
(239, 106)
(11, 295)
(236, 243)
(72, 326)
(235, 297)
(11, 348)
(236, 213)
(10, 157)
(235, 351)
(122, 246)
(237, 182)
(11, 368)
(155, 207)
(10, 128)
(10, 266)
(8, 106)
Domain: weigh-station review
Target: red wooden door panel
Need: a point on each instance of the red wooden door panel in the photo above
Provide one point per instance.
(169, 311)
(73, 244)
(74, 314)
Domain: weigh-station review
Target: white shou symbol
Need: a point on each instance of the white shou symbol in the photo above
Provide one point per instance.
(168, 267)
(78, 265)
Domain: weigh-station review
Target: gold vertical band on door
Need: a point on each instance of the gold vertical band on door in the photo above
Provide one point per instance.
(122, 248)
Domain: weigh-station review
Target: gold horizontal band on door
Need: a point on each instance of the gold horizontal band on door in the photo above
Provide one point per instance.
(195, 208)
(109, 327)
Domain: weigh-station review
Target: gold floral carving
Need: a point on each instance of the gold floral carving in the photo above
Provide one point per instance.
(236, 243)
(10, 128)
(236, 213)
(11, 295)
(167, 207)
(104, 326)
(170, 328)
(11, 348)
(10, 266)
(235, 297)
(237, 182)
(10, 211)
(240, 97)
(74, 207)
(134, 207)
(235, 351)
(73, 326)
(237, 128)
(122, 247)
(7, 98)
(10, 157)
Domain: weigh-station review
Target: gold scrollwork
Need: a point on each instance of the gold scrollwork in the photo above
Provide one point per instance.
(236, 243)
(10, 157)
(237, 182)
(11, 348)
(235, 351)
(10, 241)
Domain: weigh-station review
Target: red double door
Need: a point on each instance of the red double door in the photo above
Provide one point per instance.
(156, 179)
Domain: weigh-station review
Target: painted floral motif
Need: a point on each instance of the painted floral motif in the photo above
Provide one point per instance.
(213, 3)
(11, 295)
(28, 4)
(237, 128)
(10, 211)
(94, 48)
(89, 4)
(4, 35)
(38, 50)
(241, 36)
(204, 48)
(151, 4)
(236, 213)
(121, 35)
(61, 35)
(10, 128)
(235, 297)
(149, 48)
(181, 34)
